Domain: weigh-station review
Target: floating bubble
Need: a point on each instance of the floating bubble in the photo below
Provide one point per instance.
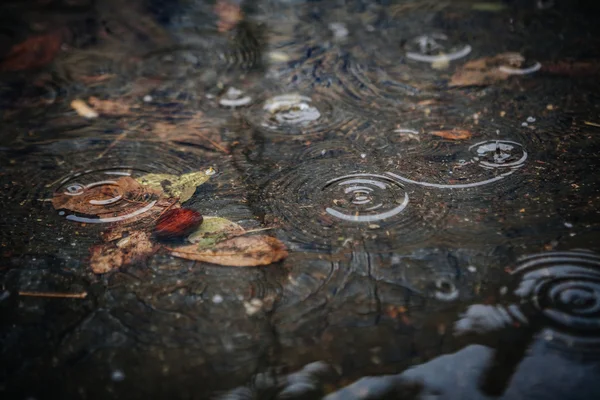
(297, 114)
(291, 109)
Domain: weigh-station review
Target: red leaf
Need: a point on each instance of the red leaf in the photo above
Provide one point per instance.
(35, 52)
(177, 223)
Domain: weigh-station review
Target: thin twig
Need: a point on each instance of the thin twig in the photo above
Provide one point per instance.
(81, 295)
(592, 124)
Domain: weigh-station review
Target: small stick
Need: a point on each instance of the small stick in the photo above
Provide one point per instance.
(81, 295)
(591, 124)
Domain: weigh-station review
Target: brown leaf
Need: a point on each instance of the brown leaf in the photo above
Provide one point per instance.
(454, 134)
(484, 71)
(196, 130)
(242, 251)
(109, 107)
(229, 15)
(35, 52)
(134, 248)
(89, 202)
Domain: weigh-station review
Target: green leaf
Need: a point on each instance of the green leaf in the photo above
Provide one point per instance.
(214, 230)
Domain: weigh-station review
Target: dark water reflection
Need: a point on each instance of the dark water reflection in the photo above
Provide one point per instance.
(411, 207)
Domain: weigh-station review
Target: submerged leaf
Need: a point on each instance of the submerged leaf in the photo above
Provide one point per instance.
(182, 186)
(250, 251)
(133, 248)
(214, 230)
(453, 134)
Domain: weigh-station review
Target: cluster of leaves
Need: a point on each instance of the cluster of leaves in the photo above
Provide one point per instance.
(213, 239)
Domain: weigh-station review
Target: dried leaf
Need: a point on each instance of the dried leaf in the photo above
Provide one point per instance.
(109, 107)
(90, 200)
(197, 130)
(134, 248)
(182, 186)
(241, 251)
(83, 109)
(454, 134)
(214, 230)
(35, 52)
(485, 71)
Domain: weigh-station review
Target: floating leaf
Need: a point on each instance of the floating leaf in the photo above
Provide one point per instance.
(134, 248)
(214, 230)
(241, 251)
(454, 134)
(182, 186)
(177, 223)
(97, 200)
(34, 52)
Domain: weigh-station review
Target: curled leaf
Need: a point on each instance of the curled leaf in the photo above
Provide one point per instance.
(241, 251)
(453, 134)
(182, 186)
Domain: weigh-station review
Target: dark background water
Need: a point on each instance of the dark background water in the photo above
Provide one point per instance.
(445, 220)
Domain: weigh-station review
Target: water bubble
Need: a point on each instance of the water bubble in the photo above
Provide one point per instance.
(297, 114)
(499, 154)
(117, 376)
(292, 109)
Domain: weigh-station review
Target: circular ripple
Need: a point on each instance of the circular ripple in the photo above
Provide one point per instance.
(327, 203)
(564, 287)
(435, 47)
(463, 166)
(296, 114)
(101, 196)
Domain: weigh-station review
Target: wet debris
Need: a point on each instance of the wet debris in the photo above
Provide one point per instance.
(453, 134)
(83, 109)
(490, 70)
(136, 247)
(177, 223)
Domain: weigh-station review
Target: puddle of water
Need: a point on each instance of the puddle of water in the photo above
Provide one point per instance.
(410, 209)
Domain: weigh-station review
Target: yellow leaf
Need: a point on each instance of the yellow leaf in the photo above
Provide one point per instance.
(182, 186)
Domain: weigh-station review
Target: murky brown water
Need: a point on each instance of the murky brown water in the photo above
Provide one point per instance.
(430, 166)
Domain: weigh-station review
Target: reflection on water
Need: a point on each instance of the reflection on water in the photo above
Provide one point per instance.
(402, 197)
